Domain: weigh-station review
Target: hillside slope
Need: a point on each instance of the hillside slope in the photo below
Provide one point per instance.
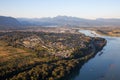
(9, 23)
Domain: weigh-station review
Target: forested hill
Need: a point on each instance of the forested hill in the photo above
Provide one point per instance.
(9, 23)
(44, 56)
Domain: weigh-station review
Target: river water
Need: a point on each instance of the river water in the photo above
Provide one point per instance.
(106, 64)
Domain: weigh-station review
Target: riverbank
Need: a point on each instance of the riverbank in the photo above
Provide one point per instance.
(105, 31)
(112, 33)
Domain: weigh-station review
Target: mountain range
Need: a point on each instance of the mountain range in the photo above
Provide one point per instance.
(71, 21)
(13, 23)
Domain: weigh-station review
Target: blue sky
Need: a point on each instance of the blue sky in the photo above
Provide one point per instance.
(49, 8)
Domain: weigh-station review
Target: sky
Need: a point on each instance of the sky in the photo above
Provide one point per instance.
(90, 9)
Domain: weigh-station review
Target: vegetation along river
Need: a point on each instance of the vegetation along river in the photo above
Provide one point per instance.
(105, 65)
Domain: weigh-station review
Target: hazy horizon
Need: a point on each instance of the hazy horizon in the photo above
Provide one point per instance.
(58, 16)
(88, 9)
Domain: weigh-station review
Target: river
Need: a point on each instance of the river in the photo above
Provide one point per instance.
(105, 65)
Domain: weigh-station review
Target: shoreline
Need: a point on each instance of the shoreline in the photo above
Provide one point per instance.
(86, 58)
